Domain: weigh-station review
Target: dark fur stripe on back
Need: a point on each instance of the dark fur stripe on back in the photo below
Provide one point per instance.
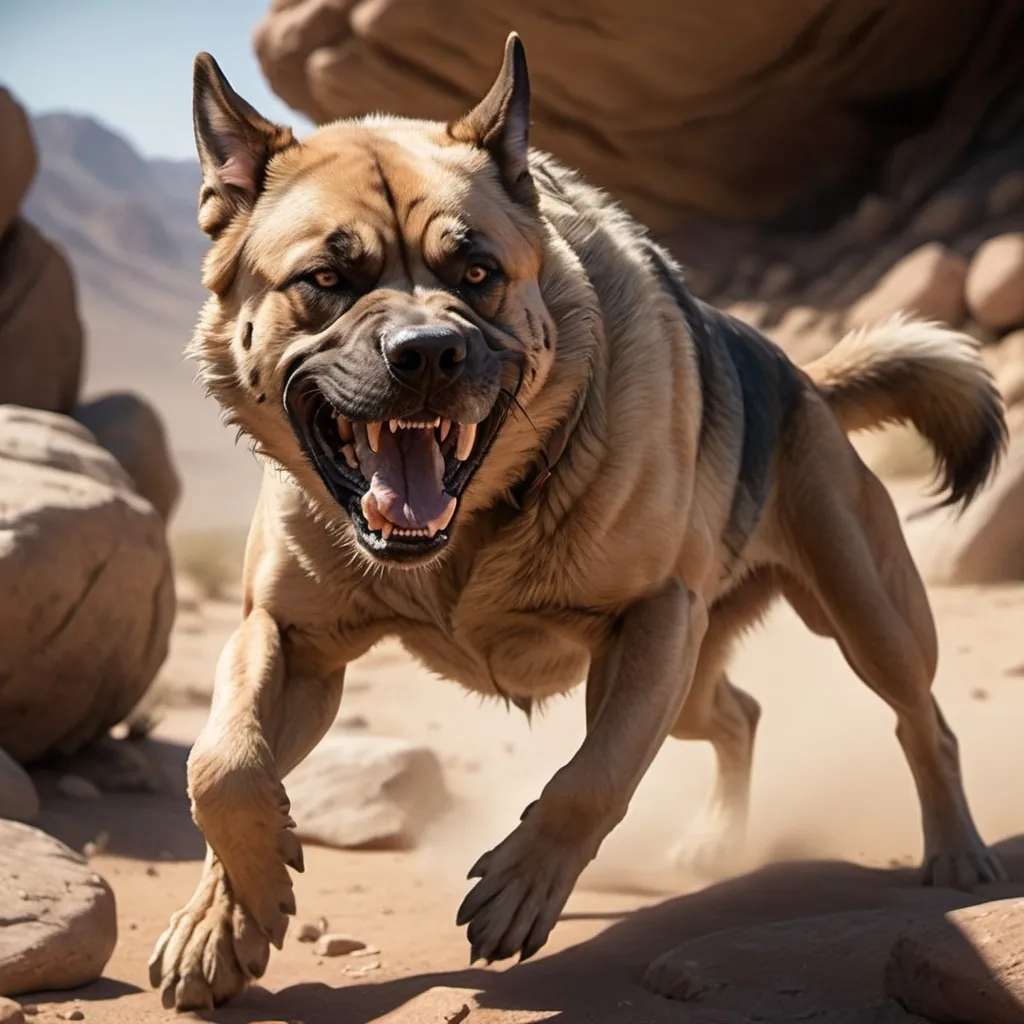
(742, 373)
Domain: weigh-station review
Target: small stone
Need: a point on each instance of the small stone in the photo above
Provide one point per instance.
(682, 981)
(978, 693)
(337, 945)
(71, 1015)
(96, 846)
(308, 932)
(995, 282)
(78, 788)
(152, 871)
(11, 1012)
(368, 951)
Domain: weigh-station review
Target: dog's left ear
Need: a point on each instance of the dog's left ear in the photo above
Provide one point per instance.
(235, 144)
(500, 123)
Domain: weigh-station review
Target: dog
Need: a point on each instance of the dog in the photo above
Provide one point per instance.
(497, 426)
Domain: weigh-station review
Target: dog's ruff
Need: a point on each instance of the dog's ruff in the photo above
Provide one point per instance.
(498, 427)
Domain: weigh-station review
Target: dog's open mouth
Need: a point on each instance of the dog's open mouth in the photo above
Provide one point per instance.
(400, 480)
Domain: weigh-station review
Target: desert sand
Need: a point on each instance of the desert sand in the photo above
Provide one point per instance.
(834, 827)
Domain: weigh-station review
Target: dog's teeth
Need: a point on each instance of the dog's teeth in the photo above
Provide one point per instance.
(387, 529)
(443, 519)
(349, 452)
(467, 435)
(394, 425)
(345, 431)
(373, 436)
(445, 426)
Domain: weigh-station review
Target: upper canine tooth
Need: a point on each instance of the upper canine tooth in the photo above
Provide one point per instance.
(446, 425)
(345, 431)
(467, 435)
(373, 436)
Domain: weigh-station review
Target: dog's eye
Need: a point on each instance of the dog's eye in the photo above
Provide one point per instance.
(476, 274)
(325, 279)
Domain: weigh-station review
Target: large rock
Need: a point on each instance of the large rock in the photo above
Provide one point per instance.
(19, 800)
(965, 968)
(995, 282)
(826, 968)
(130, 429)
(17, 158)
(734, 107)
(928, 283)
(86, 588)
(986, 543)
(58, 922)
(41, 341)
(355, 789)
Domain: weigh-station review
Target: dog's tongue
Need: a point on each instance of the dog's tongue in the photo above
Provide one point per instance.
(406, 477)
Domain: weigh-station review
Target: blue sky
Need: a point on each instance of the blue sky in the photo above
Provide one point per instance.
(128, 63)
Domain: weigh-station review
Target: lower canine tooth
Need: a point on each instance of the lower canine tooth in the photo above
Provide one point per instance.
(467, 435)
(371, 512)
(444, 518)
(350, 456)
(373, 436)
(386, 530)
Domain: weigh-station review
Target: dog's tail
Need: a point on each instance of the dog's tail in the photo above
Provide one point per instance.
(922, 373)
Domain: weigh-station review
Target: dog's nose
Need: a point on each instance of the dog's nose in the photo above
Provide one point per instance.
(425, 357)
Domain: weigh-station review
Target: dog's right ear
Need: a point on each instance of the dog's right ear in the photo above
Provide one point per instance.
(235, 144)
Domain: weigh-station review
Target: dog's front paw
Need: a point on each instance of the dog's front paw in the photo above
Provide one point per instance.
(524, 884)
(210, 951)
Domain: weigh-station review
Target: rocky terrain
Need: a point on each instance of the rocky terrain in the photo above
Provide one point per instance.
(818, 169)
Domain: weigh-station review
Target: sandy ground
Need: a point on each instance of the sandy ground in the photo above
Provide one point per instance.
(834, 824)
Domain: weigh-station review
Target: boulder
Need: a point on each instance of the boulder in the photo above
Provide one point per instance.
(824, 968)
(929, 283)
(356, 789)
(132, 431)
(18, 158)
(986, 543)
(734, 108)
(86, 588)
(995, 282)
(41, 341)
(965, 968)
(59, 919)
(19, 800)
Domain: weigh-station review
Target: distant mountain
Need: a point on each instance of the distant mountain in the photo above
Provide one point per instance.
(128, 226)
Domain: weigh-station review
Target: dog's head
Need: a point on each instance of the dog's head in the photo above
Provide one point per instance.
(376, 304)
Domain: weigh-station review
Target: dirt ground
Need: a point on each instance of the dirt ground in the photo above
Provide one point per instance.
(835, 826)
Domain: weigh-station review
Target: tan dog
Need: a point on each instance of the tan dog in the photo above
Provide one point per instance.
(498, 427)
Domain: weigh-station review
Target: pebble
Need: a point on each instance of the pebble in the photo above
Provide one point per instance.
(309, 932)
(71, 1015)
(11, 1012)
(337, 945)
(78, 788)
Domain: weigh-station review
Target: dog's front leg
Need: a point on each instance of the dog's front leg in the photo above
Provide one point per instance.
(263, 721)
(642, 677)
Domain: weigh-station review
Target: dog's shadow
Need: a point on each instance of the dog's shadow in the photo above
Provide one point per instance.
(598, 981)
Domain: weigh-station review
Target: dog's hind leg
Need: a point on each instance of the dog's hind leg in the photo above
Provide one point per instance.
(726, 717)
(263, 722)
(853, 571)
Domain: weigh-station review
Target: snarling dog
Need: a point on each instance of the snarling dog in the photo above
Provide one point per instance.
(498, 427)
